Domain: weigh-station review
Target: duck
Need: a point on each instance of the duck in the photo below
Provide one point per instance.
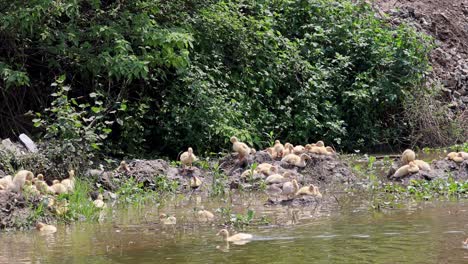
(288, 148)
(44, 228)
(407, 156)
(167, 220)
(422, 165)
(5, 182)
(274, 178)
(205, 216)
(69, 183)
(264, 168)
(58, 188)
(241, 148)
(279, 149)
(311, 190)
(195, 182)
(41, 185)
(19, 180)
(99, 202)
(123, 167)
(188, 158)
(404, 170)
(234, 238)
(298, 161)
(298, 149)
(29, 188)
(290, 188)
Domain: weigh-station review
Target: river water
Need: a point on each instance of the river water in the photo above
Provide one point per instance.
(427, 232)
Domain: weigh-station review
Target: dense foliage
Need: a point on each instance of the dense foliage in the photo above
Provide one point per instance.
(191, 72)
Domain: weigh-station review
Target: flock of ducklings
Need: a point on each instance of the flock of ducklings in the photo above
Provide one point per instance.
(280, 183)
(411, 165)
(25, 182)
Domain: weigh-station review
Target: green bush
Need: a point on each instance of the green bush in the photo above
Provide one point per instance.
(196, 72)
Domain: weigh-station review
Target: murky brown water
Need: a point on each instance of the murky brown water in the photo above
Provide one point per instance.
(422, 233)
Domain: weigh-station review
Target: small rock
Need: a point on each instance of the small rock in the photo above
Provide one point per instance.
(30, 145)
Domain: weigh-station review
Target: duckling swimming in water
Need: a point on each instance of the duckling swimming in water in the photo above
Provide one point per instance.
(167, 220)
(43, 228)
(188, 158)
(241, 148)
(311, 190)
(234, 238)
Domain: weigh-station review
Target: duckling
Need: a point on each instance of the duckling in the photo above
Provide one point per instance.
(298, 161)
(237, 237)
(330, 150)
(272, 152)
(195, 182)
(309, 190)
(19, 180)
(167, 220)
(320, 144)
(241, 148)
(123, 167)
(407, 156)
(463, 154)
(205, 216)
(404, 170)
(279, 148)
(70, 182)
(290, 188)
(99, 202)
(298, 149)
(452, 155)
(60, 207)
(43, 228)
(187, 158)
(288, 149)
(248, 173)
(5, 182)
(58, 188)
(264, 168)
(313, 148)
(422, 165)
(274, 178)
(41, 185)
(29, 188)
(253, 151)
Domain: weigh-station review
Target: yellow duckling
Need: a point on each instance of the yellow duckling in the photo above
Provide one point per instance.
(167, 220)
(234, 238)
(70, 182)
(320, 144)
(407, 156)
(29, 188)
(330, 151)
(43, 228)
(19, 180)
(195, 182)
(279, 148)
(99, 202)
(313, 148)
(5, 182)
(422, 165)
(41, 185)
(288, 149)
(457, 156)
(298, 161)
(264, 168)
(311, 190)
(58, 188)
(290, 188)
(241, 148)
(272, 153)
(123, 167)
(274, 178)
(205, 216)
(404, 170)
(463, 154)
(298, 149)
(187, 158)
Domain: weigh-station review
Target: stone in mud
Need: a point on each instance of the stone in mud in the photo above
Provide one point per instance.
(15, 211)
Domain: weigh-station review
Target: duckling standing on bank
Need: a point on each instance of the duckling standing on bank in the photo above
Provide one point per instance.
(70, 182)
(19, 180)
(58, 188)
(279, 149)
(288, 149)
(99, 202)
(234, 238)
(407, 156)
(241, 148)
(41, 185)
(290, 188)
(30, 189)
(422, 165)
(188, 158)
(46, 229)
(404, 170)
